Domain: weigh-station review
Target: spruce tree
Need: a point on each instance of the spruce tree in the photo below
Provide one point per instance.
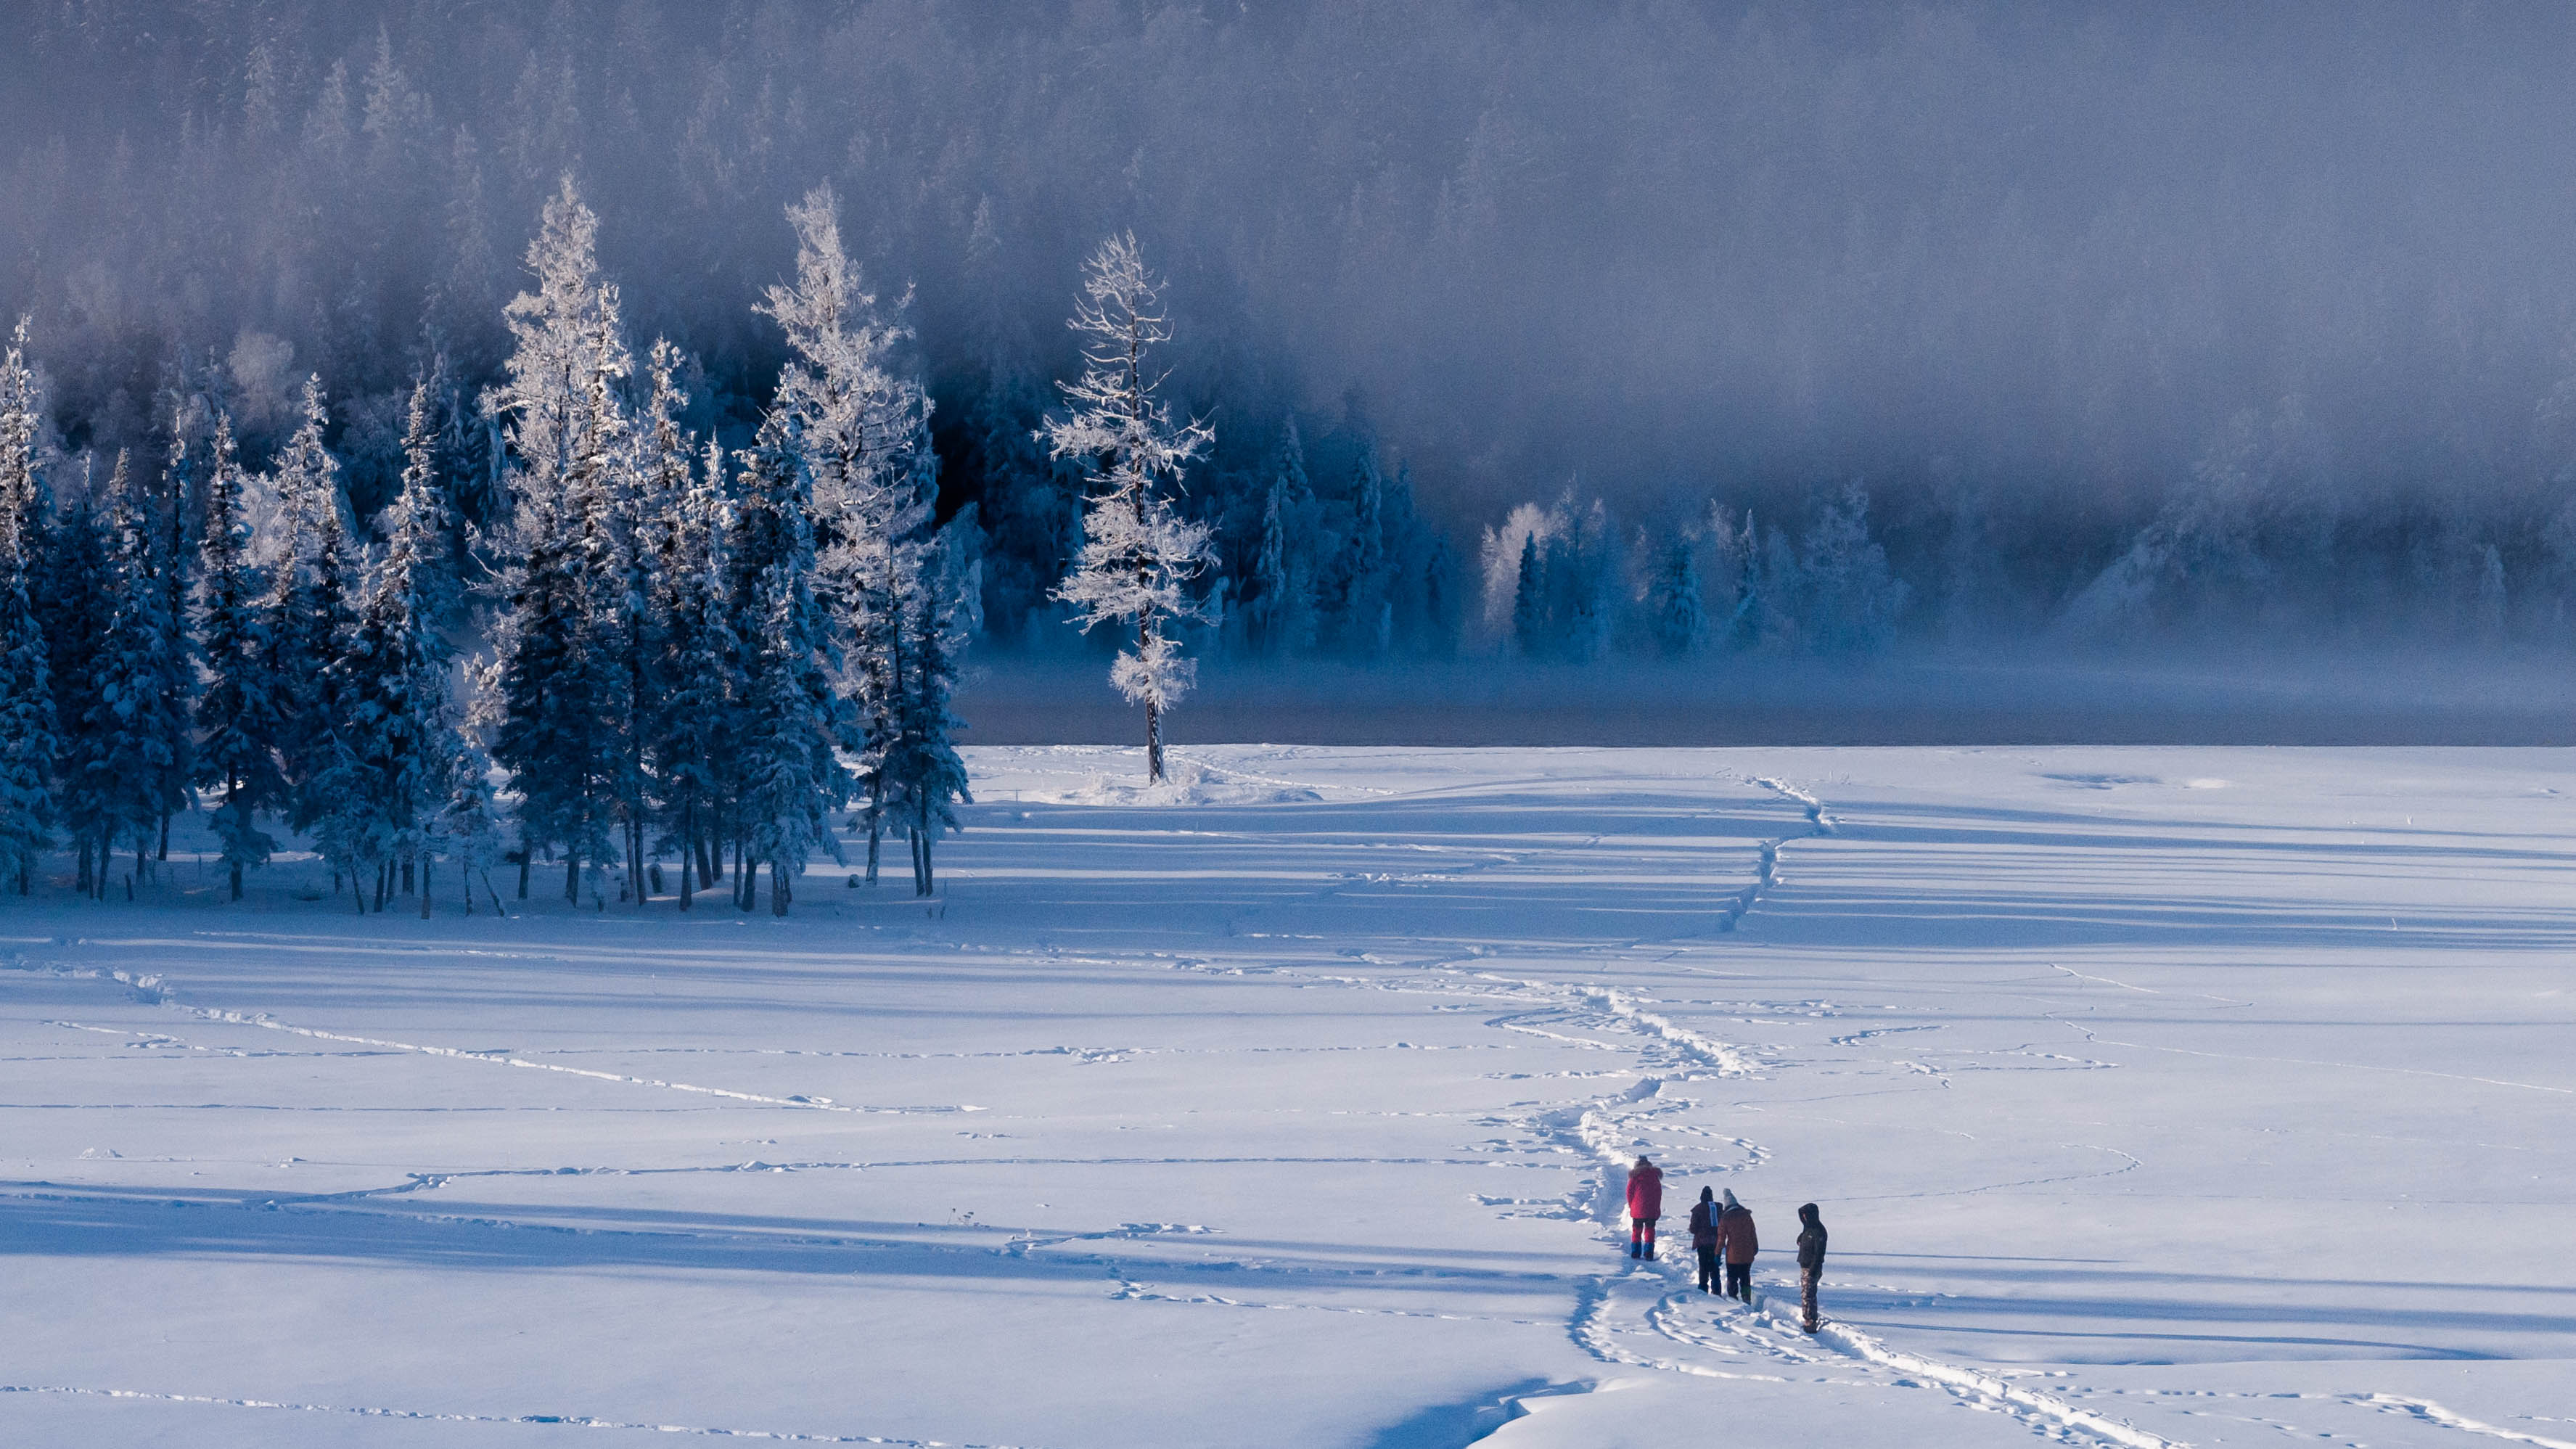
(75, 607)
(394, 670)
(859, 436)
(240, 711)
(174, 507)
(789, 775)
(309, 609)
(27, 721)
(924, 778)
(139, 716)
(698, 688)
(1139, 556)
(560, 692)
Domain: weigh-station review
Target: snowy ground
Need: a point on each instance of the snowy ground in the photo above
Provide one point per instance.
(2203, 1096)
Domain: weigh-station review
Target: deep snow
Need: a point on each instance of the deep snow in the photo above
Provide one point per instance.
(2191, 1095)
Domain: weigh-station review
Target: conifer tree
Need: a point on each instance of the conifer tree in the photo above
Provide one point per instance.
(697, 689)
(1139, 556)
(27, 721)
(173, 510)
(924, 778)
(239, 712)
(139, 717)
(859, 435)
(561, 696)
(1529, 601)
(394, 670)
(76, 607)
(309, 613)
(789, 775)
(562, 423)
(1680, 611)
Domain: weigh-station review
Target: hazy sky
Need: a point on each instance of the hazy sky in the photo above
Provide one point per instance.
(2052, 250)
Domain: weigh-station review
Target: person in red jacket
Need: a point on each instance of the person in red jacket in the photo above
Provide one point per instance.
(1645, 1204)
(1736, 1242)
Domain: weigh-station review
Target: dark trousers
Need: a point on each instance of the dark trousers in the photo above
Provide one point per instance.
(1739, 1281)
(1641, 1237)
(1707, 1267)
(1807, 1293)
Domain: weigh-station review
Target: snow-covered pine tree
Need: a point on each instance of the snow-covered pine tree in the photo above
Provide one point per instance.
(136, 717)
(76, 608)
(1266, 607)
(790, 778)
(1530, 602)
(859, 433)
(652, 477)
(1365, 624)
(924, 778)
(309, 611)
(27, 721)
(1139, 556)
(469, 825)
(698, 688)
(239, 711)
(335, 798)
(394, 670)
(1679, 610)
(562, 690)
(560, 424)
(174, 507)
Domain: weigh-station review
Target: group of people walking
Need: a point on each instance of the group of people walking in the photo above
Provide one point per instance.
(1722, 1236)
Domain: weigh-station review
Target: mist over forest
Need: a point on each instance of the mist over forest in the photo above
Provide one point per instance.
(1859, 326)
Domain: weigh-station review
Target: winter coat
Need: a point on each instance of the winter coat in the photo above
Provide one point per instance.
(1735, 1235)
(1811, 1247)
(1703, 1232)
(1646, 1193)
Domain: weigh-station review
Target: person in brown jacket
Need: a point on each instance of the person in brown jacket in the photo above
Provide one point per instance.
(1736, 1241)
(1703, 1231)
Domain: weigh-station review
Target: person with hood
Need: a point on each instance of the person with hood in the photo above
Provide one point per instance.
(1645, 1204)
(1703, 1230)
(1735, 1238)
(1811, 1258)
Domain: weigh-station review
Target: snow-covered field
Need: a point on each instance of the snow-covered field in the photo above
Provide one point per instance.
(2202, 1096)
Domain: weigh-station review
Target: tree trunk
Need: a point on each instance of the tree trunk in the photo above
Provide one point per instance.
(572, 876)
(384, 883)
(424, 889)
(1153, 744)
(702, 840)
(526, 854)
(779, 894)
(83, 885)
(164, 853)
(690, 848)
(358, 889)
(487, 890)
(406, 876)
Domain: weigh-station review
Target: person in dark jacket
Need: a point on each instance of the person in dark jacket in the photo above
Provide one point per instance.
(1735, 1238)
(1703, 1229)
(1645, 1205)
(1811, 1258)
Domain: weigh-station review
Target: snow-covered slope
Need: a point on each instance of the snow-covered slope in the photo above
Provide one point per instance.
(2190, 1096)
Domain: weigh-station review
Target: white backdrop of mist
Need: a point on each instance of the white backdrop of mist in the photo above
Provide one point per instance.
(2107, 306)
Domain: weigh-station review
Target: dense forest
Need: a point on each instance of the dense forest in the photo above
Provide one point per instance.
(1717, 327)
